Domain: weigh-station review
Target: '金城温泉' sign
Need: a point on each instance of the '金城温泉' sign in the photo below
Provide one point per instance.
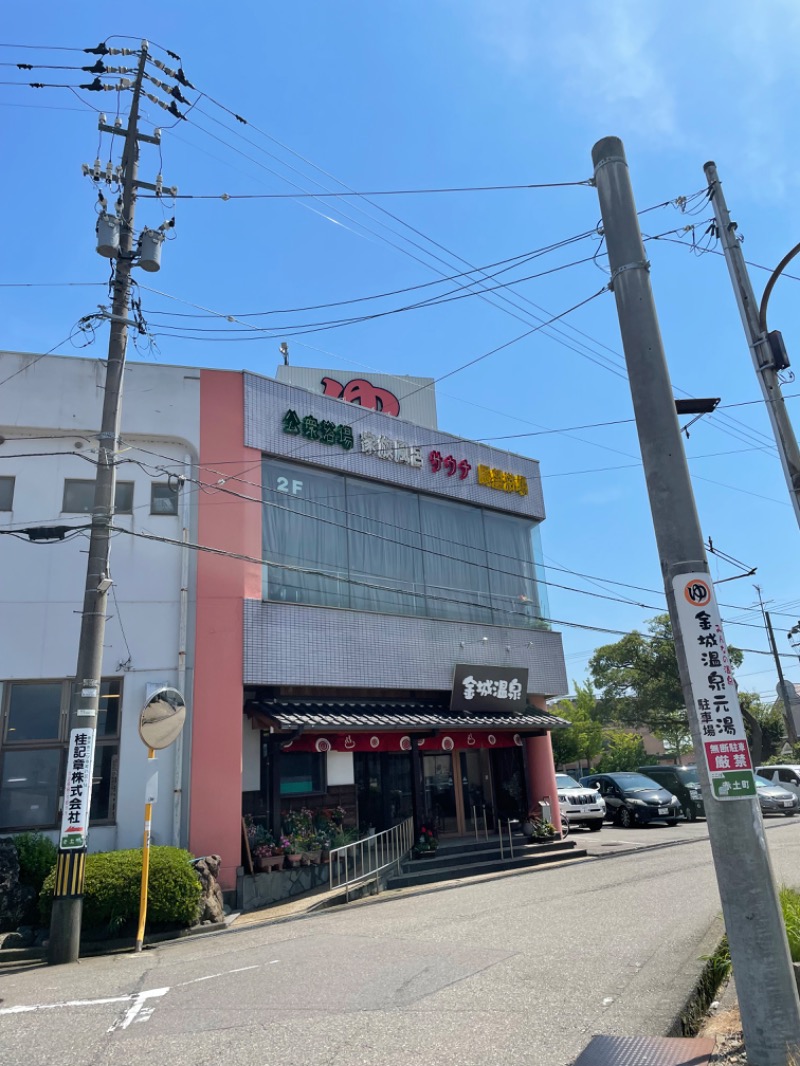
(716, 702)
(489, 688)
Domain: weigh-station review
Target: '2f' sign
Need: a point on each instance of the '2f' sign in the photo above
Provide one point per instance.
(362, 392)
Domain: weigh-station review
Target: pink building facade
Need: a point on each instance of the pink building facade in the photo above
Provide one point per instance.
(370, 628)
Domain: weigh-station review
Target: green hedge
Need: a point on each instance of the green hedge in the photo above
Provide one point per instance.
(37, 857)
(113, 880)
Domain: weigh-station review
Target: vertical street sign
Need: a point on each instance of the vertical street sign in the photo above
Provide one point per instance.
(75, 816)
(725, 746)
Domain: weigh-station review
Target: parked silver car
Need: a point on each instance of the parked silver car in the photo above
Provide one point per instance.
(775, 800)
(580, 805)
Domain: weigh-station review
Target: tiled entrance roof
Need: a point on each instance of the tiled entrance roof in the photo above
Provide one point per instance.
(354, 715)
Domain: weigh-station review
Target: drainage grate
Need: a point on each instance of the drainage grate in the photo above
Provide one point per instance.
(646, 1051)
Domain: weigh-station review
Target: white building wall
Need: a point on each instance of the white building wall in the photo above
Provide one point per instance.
(59, 401)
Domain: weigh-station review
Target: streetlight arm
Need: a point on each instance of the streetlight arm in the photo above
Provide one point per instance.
(762, 311)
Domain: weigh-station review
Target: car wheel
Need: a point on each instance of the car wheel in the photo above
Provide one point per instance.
(595, 827)
(690, 812)
(790, 814)
(672, 821)
(627, 819)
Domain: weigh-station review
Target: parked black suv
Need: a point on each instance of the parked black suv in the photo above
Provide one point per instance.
(683, 782)
(632, 798)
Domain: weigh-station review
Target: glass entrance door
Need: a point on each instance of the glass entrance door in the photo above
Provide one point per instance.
(476, 791)
(440, 793)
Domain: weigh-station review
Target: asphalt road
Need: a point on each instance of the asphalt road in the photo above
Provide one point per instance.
(524, 969)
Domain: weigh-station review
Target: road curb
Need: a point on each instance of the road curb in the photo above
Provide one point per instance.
(95, 948)
(707, 982)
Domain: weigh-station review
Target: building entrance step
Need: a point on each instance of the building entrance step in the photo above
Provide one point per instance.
(458, 867)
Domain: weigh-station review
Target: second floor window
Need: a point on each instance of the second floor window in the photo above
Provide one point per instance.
(79, 497)
(6, 493)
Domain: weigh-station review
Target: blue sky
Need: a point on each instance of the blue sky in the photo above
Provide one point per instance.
(442, 94)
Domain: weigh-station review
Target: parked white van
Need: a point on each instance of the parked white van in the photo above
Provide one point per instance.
(786, 776)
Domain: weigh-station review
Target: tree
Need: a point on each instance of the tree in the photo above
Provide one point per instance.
(623, 751)
(765, 726)
(584, 738)
(638, 683)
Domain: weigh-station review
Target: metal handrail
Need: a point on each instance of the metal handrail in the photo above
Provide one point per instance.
(366, 858)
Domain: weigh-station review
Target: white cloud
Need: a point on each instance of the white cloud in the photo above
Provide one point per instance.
(715, 78)
(603, 58)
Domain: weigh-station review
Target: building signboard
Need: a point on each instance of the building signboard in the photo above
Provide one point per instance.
(489, 688)
(312, 428)
(725, 748)
(398, 395)
(285, 421)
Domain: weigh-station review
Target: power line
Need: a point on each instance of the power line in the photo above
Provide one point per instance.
(50, 284)
(34, 361)
(604, 364)
(555, 334)
(45, 47)
(421, 534)
(508, 264)
(379, 587)
(383, 192)
(702, 193)
(302, 329)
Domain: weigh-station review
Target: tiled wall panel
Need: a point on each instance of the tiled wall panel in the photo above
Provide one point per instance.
(289, 644)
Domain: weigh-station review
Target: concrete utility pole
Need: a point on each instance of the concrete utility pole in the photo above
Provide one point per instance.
(758, 340)
(791, 732)
(65, 924)
(764, 978)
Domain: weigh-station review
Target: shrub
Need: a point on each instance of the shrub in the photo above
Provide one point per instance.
(113, 880)
(790, 905)
(37, 857)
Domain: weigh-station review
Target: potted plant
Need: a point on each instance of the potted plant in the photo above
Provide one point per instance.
(268, 857)
(426, 845)
(292, 851)
(537, 830)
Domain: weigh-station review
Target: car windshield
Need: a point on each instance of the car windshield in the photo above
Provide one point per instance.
(689, 775)
(761, 782)
(635, 782)
(565, 781)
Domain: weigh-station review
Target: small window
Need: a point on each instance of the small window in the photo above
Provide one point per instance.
(29, 788)
(6, 493)
(163, 498)
(34, 711)
(79, 497)
(302, 772)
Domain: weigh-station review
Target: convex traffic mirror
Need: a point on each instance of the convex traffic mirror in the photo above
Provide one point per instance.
(162, 718)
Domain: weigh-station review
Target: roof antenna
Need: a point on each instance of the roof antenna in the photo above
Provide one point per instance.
(284, 350)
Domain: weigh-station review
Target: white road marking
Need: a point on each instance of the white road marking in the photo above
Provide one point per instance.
(211, 976)
(67, 1003)
(137, 1012)
(131, 1013)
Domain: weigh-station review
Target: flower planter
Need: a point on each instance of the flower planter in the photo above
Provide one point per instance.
(429, 853)
(294, 859)
(269, 863)
(313, 857)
